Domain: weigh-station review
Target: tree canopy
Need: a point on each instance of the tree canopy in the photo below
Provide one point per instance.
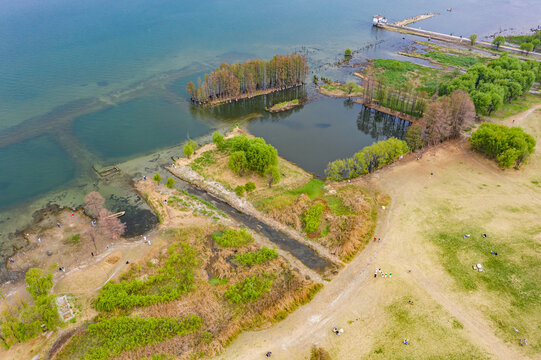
(251, 154)
(502, 80)
(367, 160)
(510, 146)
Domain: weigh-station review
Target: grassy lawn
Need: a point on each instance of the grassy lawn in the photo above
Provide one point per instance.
(519, 105)
(431, 333)
(400, 74)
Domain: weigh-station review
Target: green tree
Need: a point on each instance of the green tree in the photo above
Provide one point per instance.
(237, 162)
(535, 43)
(38, 283)
(347, 53)
(273, 175)
(413, 137)
(350, 86)
(473, 39)
(527, 46)
(498, 41)
(170, 183)
(336, 170)
(239, 190)
(193, 144)
(157, 177)
(250, 186)
(509, 146)
(218, 139)
(188, 150)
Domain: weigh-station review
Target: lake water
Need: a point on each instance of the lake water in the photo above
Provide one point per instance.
(87, 84)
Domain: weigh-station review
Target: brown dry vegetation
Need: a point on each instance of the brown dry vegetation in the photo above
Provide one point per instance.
(222, 320)
(348, 220)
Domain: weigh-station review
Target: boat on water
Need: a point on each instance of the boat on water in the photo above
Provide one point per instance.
(379, 20)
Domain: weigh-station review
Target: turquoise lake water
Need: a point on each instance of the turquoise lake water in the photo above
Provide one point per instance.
(54, 53)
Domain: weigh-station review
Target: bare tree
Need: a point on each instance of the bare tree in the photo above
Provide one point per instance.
(93, 203)
(108, 227)
(461, 112)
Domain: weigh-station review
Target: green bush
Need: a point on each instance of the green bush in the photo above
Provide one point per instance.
(188, 150)
(239, 190)
(218, 139)
(347, 52)
(170, 183)
(509, 146)
(173, 280)
(258, 257)
(233, 238)
(249, 289)
(313, 216)
(157, 177)
(250, 186)
(237, 162)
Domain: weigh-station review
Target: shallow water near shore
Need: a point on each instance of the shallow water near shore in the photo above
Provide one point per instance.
(91, 59)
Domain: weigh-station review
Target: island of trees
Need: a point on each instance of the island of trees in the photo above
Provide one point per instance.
(251, 78)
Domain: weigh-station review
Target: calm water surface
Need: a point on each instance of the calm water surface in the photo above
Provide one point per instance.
(54, 52)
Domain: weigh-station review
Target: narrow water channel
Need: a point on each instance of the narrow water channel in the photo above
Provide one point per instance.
(304, 253)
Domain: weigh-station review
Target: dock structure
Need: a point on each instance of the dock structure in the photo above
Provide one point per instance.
(400, 27)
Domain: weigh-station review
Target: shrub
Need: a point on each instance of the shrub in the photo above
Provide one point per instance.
(509, 146)
(250, 186)
(258, 257)
(157, 177)
(347, 52)
(218, 139)
(188, 150)
(273, 175)
(312, 217)
(237, 162)
(170, 183)
(174, 279)
(239, 190)
(233, 238)
(249, 289)
(319, 353)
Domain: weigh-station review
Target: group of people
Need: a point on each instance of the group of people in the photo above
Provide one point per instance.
(383, 275)
(337, 331)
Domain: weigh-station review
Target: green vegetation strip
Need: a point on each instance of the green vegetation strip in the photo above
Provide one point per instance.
(258, 257)
(109, 338)
(367, 160)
